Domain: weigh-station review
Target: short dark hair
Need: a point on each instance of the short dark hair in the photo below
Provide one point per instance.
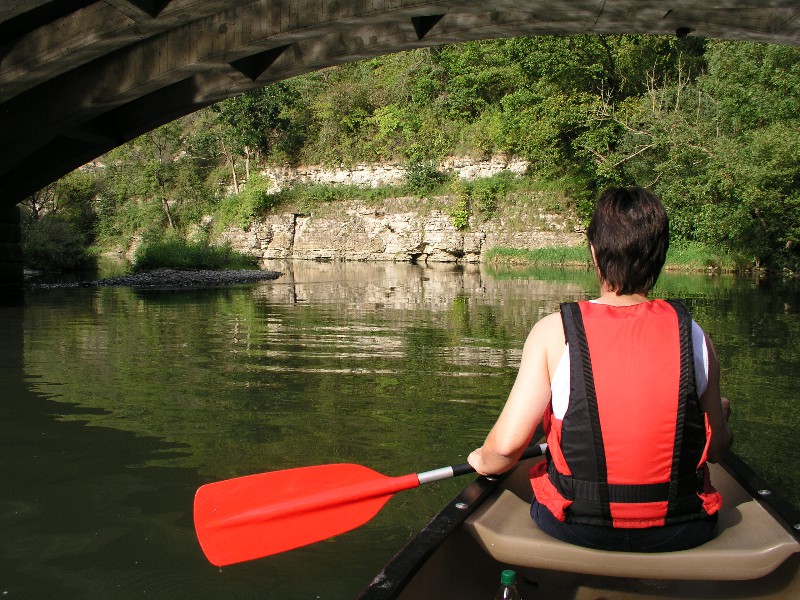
(629, 232)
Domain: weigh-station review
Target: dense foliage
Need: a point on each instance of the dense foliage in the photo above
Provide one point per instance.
(711, 126)
(178, 253)
(59, 224)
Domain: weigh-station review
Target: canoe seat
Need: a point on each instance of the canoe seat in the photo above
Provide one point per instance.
(749, 545)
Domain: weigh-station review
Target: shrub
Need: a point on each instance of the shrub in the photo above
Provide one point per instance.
(424, 177)
(484, 193)
(243, 208)
(180, 254)
(460, 213)
(54, 244)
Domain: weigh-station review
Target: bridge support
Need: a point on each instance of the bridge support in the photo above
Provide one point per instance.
(11, 278)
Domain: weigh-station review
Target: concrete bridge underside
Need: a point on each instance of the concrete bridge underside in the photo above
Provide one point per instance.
(80, 77)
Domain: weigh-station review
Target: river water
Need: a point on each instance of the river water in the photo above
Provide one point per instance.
(117, 404)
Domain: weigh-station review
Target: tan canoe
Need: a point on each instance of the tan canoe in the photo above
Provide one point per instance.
(462, 551)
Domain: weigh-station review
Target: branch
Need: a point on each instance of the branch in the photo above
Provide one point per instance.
(635, 154)
(708, 152)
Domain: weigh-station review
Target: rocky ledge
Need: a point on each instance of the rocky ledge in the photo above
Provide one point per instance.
(173, 278)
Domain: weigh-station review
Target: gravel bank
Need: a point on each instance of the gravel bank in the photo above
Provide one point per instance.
(172, 278)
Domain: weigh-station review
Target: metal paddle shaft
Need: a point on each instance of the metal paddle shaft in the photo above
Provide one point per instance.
(466, 468)
(259, 515)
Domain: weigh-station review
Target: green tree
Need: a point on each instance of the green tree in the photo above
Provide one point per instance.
(257, 123)
(722, 150)
(755, 85)
(152, 184)
(59, 224)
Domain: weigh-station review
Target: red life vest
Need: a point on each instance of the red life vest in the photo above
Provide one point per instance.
(631, 449)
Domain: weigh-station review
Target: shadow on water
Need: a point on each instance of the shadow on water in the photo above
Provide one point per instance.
(82, 513)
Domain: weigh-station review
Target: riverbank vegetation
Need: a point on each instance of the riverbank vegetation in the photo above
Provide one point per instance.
(682, 256)
(577, 256)
(177, 253)
(710, 126)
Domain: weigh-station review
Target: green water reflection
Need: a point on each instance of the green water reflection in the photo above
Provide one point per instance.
(119, 403)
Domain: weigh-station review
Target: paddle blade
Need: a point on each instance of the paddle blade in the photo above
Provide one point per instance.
(259, 515)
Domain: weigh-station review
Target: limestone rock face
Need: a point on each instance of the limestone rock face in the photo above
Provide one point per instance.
(375, 175)
(399, 229)
(392, 232)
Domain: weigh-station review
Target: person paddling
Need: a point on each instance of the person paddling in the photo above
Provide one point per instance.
(628, 392)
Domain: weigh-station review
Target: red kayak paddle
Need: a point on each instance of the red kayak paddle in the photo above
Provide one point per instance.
(259, 515)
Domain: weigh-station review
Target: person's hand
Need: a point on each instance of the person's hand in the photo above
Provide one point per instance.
(475, 460)
(726, 407)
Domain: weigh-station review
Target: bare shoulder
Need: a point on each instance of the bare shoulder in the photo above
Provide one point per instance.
(548, 329)
(547, 338)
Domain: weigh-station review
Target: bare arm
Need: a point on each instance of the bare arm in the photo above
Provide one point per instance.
(717, 408)
(526, 403)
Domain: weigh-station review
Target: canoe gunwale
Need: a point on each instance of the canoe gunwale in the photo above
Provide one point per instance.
(396, 574)
(786, 513)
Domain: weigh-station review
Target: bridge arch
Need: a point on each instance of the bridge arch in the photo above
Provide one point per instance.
(80, 77)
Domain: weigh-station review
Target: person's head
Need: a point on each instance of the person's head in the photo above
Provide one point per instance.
(629, 237)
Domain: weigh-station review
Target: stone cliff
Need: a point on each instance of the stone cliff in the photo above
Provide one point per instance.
(375, 175)
(401, 229)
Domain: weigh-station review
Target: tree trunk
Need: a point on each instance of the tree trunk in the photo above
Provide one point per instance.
(230, 158)
(165, 206)
(232, 163)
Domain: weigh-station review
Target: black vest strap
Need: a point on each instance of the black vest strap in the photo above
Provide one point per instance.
(583, 387)
(576, 489)
(690, 424)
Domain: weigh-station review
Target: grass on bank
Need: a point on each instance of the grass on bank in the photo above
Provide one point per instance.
(685, 256)
(182, 254)
(694, 256)
(563, 256)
